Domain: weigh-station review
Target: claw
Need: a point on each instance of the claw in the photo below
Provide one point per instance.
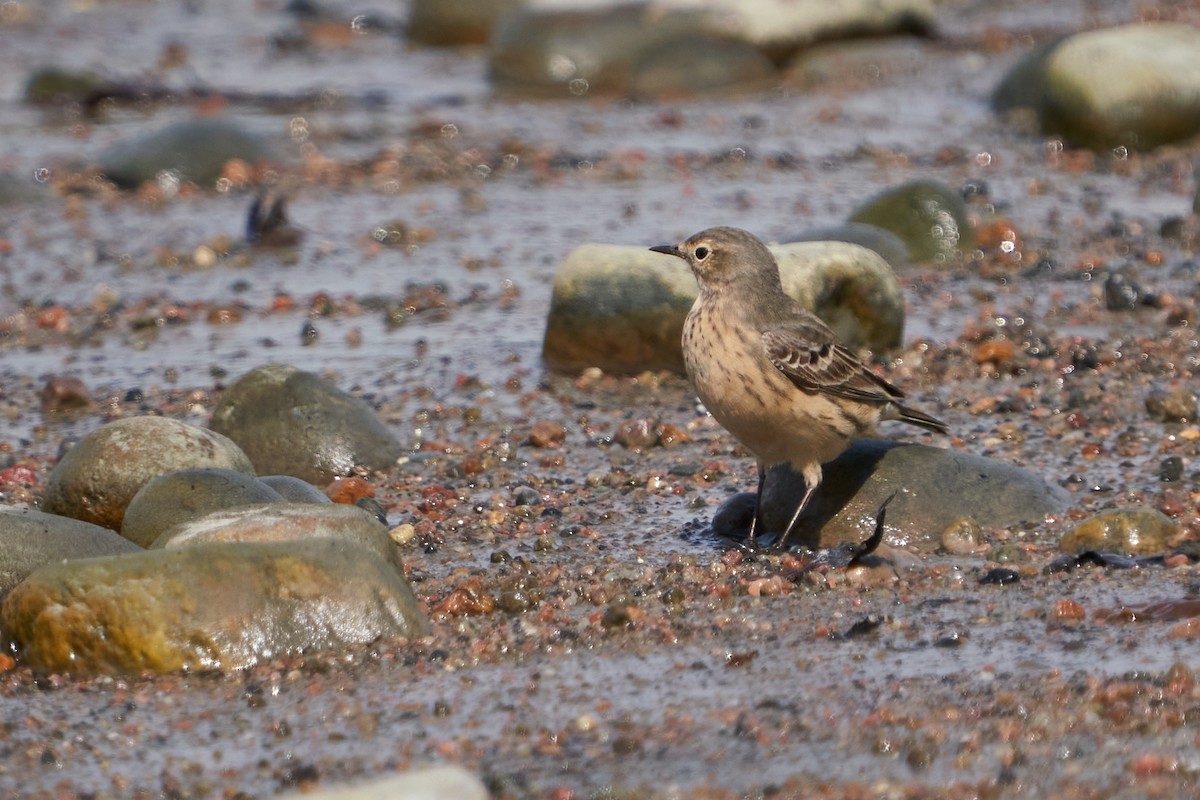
(867, 547)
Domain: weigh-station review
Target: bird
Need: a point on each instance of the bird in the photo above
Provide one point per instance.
(770, 371)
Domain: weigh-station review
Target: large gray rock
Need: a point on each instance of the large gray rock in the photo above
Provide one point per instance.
(30, 539)
(213, 606)
(933, 488)
(291, 422)
(622, 308)
(194, 150)
(1135, 85)
(180, 497)
(98, 477)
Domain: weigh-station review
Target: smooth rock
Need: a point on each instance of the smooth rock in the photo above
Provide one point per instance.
(195, 150)
(930, 218)
(619, 50)
(780, 28)
(51, 84)
(285, 522)
(1136, 86)
(440, 782)
(30, 539)
(291, 422)
(857, 64)
(180, 497)
(214, 606)
(887, 244)
(933, 487)
(294, 490)
(456, 22)
(1131, 531)
(95, 480)
(622, 308)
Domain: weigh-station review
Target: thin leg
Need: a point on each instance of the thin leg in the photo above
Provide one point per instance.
(812, 479)
(756, 520)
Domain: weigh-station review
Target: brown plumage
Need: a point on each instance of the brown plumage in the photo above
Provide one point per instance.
(771, 372)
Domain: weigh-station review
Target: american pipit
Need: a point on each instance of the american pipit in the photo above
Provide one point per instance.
(771, 372)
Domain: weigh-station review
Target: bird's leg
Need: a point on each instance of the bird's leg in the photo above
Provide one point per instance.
(756, 520)
(812, 479)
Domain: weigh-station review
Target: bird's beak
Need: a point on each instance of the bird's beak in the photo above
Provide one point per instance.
(669, 249)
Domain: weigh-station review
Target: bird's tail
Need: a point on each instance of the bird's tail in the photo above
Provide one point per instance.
(919, 418)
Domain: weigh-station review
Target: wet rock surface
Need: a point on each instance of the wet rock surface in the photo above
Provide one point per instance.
(215, 606)
(30, 539)
(98, 477)
(294, 423)
(934, 488)
(179, 497)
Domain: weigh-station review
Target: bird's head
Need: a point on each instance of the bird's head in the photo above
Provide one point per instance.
(724, 256)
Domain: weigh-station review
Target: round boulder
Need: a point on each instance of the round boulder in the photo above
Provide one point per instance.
(98, 477)
(292, 422)
(213, 606)
(179, 497)
(30, 539)
(930, 218)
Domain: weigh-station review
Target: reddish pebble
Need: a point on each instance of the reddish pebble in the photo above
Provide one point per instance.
(349, 490)
(1067, 610)
(995, 351)
(62, 394)
(547, 434)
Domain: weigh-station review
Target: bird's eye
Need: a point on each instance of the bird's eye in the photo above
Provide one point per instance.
(701, 253)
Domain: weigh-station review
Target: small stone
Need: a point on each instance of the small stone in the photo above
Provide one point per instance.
(64, 394)
(1134, 531)
(526, 496)
(962, 537)
(547, 434)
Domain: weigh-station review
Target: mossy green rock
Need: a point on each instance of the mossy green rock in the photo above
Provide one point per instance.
(930, 218)
(1136, 86)
(98, 477)
(215, 606)
(180, 497)
(292, 422)
(1133, 531)
(622, 308)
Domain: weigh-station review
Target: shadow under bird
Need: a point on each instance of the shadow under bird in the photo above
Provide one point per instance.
(772, 373)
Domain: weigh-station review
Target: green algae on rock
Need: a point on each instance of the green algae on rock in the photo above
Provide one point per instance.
(213, 606)
(1130, 531)
(929, 217)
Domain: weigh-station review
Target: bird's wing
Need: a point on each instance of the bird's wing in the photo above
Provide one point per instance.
(807, 353)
